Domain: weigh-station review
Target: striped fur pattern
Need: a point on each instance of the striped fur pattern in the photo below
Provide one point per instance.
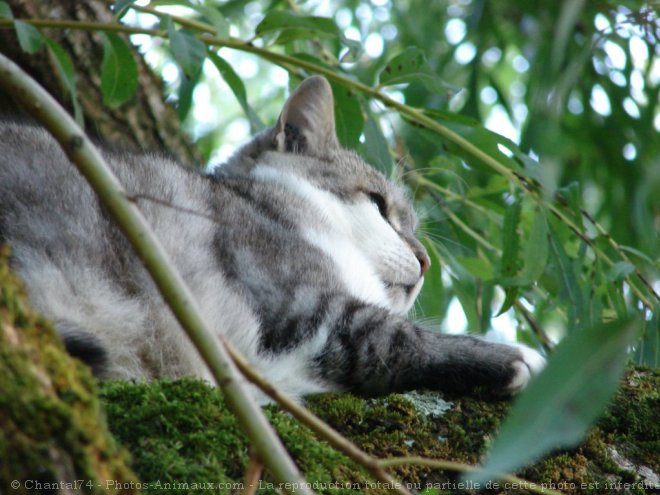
(296, 250)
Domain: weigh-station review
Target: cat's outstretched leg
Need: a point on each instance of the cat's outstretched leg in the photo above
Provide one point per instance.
(371, 351)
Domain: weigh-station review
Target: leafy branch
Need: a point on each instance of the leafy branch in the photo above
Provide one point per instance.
(639, 285)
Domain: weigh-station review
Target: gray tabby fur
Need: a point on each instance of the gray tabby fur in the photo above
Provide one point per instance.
(297, 251)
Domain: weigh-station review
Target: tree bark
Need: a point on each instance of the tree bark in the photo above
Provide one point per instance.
(53, 433)
(144, 122)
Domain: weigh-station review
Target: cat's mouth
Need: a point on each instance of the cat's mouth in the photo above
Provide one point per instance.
(402, 295)
(407, 288)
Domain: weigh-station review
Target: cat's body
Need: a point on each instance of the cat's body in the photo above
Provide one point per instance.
(302, 255)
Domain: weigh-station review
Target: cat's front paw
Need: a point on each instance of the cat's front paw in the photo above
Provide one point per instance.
(529, 364)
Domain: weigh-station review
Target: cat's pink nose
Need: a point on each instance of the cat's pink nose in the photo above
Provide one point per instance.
(421, 255)
(424, 261)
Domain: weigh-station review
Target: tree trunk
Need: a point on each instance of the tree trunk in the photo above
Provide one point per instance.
(53, 433)
(144, 122)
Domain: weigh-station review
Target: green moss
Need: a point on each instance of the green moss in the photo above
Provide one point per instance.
(387, 427)
(51, 425)
(180, 431)
(179, 428)
(630, 426)
(634, 417)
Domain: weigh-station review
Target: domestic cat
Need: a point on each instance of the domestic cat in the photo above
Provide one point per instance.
(296, 250)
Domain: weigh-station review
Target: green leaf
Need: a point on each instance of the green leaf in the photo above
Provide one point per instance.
(456, 118)
(619, 271)
(569, 16)
(641, 255)
(570, 291)
(510, 239)
(291, 27)
(465, 290)
(5, 11)
(411, 66)
(510, 297)
(376, 149)
(536, 253)
(188, 51)
(277, 20)
(214, 17)
(348, 116)
(119, 72)
(510, 252)
(536, 250)
(210, 14)
(466, 293)
(488, 141)
(463, 285)
(185, 96)
(431, 300)
(647, 352)
(289, 35)
(29, 37)
(63, 64)
(561, 404)
(120, 7)
(615, 293)
(478, 267)
(66, 71)
(238, 88)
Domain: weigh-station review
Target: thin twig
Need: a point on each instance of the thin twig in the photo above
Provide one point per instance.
(537, 329)
(253, 474)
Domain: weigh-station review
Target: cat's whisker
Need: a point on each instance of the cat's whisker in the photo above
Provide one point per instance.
(435, 237)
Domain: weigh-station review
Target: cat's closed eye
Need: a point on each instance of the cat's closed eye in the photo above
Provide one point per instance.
(379, 201)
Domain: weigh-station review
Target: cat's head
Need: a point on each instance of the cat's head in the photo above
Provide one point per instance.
(366, 223)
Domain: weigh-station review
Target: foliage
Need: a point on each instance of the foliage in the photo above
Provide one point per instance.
(545, 217)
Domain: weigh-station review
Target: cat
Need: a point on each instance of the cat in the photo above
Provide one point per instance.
(299, 252)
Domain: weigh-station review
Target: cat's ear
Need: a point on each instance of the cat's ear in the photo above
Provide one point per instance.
(307, 122)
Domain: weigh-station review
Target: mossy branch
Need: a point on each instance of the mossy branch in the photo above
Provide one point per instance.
(128, 218)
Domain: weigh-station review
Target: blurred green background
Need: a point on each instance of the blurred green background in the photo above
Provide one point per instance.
(572, 88)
